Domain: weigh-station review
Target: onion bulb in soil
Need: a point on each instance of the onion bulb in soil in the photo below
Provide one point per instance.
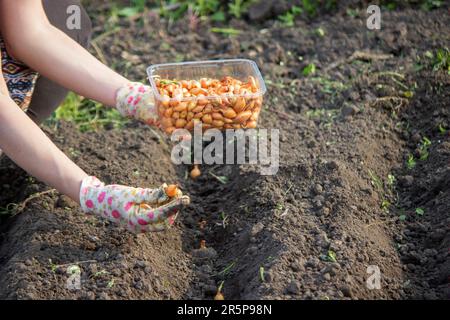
(195, 172)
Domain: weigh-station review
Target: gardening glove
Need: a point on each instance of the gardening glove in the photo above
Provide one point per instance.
(135, 100)
(137, 209)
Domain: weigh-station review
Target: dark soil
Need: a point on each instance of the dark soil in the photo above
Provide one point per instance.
(308, 232)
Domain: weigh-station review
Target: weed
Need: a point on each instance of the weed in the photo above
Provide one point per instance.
(385, 205)
(431, 4)
(310, 6)
(87, 114)
(353, 13)
(261, 274)
(330, 256)
(410, 162)
(288, 18)
(320, 32)
(53, 266)
(227, 31)
(442, 129)
(216, 10)
(111, 283)
(236, 8)
(440, 60)
(423, 148)
(310, 69)
(391, 180)
(376, 181)
(420, 211)
(329, 86)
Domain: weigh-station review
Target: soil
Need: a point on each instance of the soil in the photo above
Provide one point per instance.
(309, 232)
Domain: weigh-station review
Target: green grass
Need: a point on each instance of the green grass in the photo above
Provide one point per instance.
(440, 59)
(88, 115)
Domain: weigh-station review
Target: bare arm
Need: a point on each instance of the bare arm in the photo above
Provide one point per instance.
(25, 143)
(31, 38)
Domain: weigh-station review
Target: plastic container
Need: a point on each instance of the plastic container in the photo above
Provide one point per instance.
(222, 94)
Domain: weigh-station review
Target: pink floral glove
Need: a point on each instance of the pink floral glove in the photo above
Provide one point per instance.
(137, 209)
(135, 100)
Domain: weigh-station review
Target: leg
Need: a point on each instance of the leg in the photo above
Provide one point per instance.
(47, 95)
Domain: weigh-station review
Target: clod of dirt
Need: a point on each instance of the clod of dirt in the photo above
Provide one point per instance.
(204, 253)
(349, 110)
(406, 181)
(294, 287)
(261, 10)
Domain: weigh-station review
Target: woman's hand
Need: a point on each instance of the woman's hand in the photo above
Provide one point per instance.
(135, 100)
(137, 209)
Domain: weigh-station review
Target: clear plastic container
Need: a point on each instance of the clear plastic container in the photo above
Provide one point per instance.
(222, 94)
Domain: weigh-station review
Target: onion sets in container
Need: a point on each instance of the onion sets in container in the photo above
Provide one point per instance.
(222, 94)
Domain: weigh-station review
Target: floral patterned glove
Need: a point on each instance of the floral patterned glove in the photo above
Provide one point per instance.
(135, 100)
(137, 209)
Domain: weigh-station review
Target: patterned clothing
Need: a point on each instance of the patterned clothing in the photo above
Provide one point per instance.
(19, 78)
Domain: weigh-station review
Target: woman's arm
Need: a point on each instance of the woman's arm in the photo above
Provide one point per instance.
(137, 209)
(31, 38)
(25, 143)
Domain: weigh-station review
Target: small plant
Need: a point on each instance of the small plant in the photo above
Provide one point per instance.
(288, 18)
(261, 274)
(111, 283)
(410, 162)
(420, 211)
(227, 31)
(320, 32)
(376, 181)
(431, 4)
(330, 256)
(385, 205)
(440, 60)
(236, 8)
(224, 219)
(423, 148)
(310, 7)
(310, 69)
(391, 180)
(442, 129)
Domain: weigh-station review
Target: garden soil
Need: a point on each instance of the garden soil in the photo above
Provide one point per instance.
(344, 204)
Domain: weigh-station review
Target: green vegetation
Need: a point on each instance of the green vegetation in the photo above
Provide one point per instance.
(329, 257)
(88, 115)
(442, 129)
(410, 162)
(420, 211)
(423, 148)
(386, 190)
(216, 10)
(227, 31)
(288, 18)
(431, 4)
(310, 69)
